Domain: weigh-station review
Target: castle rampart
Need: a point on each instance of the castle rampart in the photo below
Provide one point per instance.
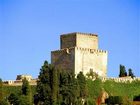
(79, 52)
(121, 79)
(18, 81)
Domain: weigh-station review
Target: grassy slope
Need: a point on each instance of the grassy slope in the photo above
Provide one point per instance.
(7, 90)
(122, 89)
(127, 90)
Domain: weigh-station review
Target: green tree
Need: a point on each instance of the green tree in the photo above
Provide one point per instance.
(114, 100)
(136, 98)
(69, 88)
(95, 88)
(24, 100)
(123, 72)
(36, 99)
(130, 73)
(47, 85)
(1, 91)
(26, 90)
(25, 87)
(82, 84)
(13, 99)
(53, 84)
(4, 102)
(92, 75)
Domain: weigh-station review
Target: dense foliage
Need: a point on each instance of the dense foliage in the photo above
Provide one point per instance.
(58, 87)
(114, 100)
(126, 90)
(123, 72)
(137, 98)
(47, 85)
(24, 97)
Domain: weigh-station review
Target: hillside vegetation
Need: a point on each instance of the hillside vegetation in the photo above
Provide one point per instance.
(7, 90)
(126, 90)
(122, 89)
(59, 87)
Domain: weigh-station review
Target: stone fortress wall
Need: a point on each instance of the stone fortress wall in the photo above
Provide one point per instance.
(18, 81)
(63, 59)
(121, 79)
(104, 79)
(79, 52)
(91, 59)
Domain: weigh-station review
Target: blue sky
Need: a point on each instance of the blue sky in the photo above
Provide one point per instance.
(30, 30)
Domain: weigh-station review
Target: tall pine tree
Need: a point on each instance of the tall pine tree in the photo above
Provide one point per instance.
(82, 83)
(47, 85)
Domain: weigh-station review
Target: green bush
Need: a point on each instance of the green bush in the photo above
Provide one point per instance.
(114, 100)
(4, 102)
(137, 98)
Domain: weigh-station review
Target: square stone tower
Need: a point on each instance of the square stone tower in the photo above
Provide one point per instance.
(79, 52)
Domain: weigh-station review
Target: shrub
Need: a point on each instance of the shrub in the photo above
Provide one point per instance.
(114, 100)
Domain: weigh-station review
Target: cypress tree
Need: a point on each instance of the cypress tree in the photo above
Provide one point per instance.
(82, 85)
(47, 85)
(26, 91)
(130, 73)
(25, 87)
(53, 84)
(123, 72)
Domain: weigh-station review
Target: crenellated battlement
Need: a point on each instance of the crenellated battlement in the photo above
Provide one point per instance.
(81, 49)
(91, 50)
(57, 51)
(63, 50)
(121, 79)
(79, 33)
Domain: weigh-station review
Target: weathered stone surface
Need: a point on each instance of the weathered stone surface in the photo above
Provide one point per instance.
(79, 52)
(88, 59)
(63, 59)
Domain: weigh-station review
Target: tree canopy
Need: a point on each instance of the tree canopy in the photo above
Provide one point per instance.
(123, 72)
(130, 73)
(47, 85)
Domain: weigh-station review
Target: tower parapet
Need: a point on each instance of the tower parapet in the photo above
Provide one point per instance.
(78, 39)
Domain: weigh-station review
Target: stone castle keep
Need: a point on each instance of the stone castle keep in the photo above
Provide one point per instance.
(79, 52)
